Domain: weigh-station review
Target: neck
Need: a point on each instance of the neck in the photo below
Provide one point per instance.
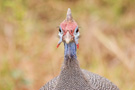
(70, 51)
(71, 74)
(70, 58)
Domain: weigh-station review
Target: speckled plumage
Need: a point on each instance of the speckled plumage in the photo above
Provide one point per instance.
(97, 83)
(74, 78)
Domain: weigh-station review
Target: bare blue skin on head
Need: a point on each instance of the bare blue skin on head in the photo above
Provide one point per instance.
(70, 51)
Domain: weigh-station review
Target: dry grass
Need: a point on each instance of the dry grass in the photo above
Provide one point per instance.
(28, 39)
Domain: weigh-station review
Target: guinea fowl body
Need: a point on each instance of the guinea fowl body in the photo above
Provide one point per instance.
(72, 77)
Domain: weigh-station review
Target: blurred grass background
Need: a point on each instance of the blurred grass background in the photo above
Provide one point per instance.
(28, 39)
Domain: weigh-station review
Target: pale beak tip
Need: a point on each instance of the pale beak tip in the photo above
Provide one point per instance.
(67, 38)
(67, 41)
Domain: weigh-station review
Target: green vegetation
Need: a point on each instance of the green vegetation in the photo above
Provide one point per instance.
(28, 39)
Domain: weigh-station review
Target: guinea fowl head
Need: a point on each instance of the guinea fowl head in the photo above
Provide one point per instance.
(68, 30)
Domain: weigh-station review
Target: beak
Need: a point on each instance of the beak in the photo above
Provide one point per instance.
(67, 38)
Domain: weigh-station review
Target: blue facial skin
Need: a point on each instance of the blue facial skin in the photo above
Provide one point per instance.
(70, 48)
(70, 51)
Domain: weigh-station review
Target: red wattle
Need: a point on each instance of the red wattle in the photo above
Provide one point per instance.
(58, 45)
(77, 46)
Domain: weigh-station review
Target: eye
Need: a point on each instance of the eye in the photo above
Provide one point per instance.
(77, 30)
(59, 30)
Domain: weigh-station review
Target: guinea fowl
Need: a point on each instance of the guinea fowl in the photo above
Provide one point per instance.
(71, 76)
